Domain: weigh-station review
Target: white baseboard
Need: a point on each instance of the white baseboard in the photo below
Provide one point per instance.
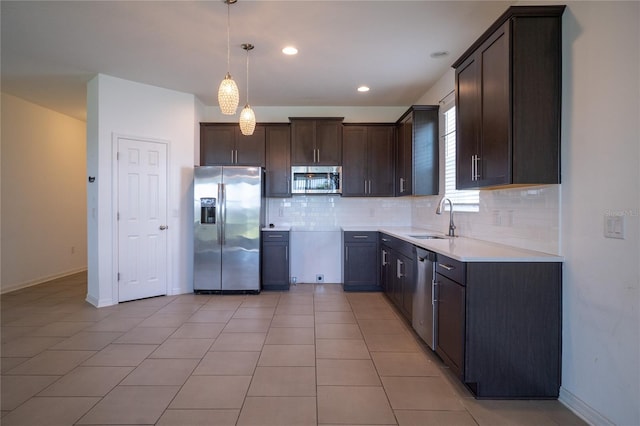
(14, 287)
(582, 409)
(179, 290)
(100, 303)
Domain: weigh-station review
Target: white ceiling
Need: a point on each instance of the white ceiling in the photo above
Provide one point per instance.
(50, 49)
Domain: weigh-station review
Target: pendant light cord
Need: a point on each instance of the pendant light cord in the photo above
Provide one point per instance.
(248, 76)
(228, 37)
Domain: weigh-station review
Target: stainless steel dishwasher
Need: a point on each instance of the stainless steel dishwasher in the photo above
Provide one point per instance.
(424, 304)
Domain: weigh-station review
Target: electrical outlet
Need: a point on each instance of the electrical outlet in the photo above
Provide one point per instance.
(497, 218)
(319, 278)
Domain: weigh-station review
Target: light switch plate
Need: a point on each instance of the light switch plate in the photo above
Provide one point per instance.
(614, 226)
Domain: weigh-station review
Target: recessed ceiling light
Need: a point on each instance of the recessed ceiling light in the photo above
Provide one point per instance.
(440, 54)
(290, 50)
(363, 89)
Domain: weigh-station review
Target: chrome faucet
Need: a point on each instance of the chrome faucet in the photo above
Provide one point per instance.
(452, 227)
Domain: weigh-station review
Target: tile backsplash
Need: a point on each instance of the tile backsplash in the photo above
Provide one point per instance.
(331, 211)
(526, 217)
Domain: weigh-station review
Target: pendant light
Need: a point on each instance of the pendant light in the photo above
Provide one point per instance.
(228, 96)
(247, 116)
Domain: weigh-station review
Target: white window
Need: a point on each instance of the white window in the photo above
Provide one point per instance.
(468, 201)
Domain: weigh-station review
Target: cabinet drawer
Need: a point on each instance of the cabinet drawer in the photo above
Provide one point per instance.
(397, 244)
(275, 236)
(360, 237)
(451, 268)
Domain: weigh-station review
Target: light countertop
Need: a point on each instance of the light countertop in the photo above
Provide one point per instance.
(462, 248)
(277, 228)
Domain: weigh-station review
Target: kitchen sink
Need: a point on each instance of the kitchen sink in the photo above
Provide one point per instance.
(427, 237)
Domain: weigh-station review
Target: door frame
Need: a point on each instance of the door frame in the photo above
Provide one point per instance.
(115, 138)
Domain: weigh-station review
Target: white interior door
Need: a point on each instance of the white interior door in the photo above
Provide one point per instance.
(142, 219)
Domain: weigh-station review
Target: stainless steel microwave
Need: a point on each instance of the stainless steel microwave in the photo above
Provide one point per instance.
(316, 180)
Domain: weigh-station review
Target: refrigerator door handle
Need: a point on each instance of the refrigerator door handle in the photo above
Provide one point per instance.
(221, 213)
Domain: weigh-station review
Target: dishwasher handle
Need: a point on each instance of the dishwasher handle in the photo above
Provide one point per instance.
(424, 255)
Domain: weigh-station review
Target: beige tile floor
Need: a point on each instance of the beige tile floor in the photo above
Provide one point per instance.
(313, 355)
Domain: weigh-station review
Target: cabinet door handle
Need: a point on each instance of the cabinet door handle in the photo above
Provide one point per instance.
(286, 253)
(275, 236)
(318, 155)
(386, 240)
(399, 265)
(401, 185)
(232, 157)
(360, 236)
(346, 253)
(384, 258)
(475, 170)
(473, 165)
(365, 186)
(447, 267)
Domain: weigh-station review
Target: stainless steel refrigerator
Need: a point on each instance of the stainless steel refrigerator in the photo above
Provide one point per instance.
(228, 217)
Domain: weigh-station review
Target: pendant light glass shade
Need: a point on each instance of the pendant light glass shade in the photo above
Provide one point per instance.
(247, 121)
(247, 116)
(228, 95)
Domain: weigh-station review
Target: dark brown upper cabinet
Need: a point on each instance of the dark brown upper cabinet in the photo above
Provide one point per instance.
(278, 151)
(316, 141)
(367, 160)
(417, 161)
(222, 144)
(508, 86)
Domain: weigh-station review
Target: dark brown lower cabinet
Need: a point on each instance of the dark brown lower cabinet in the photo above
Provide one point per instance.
(361, 267)
(450, 344)
(275, 260)
(499, 326)
(398, 273)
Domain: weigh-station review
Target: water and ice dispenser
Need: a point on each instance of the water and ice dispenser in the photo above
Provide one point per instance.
(207, 211)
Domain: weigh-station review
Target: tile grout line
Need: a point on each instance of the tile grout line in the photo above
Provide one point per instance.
(246, 395)
(375, 367)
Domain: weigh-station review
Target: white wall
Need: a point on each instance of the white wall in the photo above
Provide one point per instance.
(43, 194)
(121, 107)
(600, 163)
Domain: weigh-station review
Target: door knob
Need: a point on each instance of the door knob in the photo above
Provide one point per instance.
(163, 227)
